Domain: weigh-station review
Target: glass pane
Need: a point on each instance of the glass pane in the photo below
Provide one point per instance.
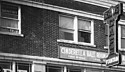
(84, 37)
(66, 22)
(53, 69)
(8, 23)
(65, 35)
(122, 43)
(22, 67)
(9, 15)
(74, 70)
(123, 31)
(8, 10)
(5, 65)
(85, 25)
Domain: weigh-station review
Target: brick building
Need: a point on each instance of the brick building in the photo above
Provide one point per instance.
(56, 36)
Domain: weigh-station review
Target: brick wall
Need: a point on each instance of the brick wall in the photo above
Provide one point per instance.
(41, 30)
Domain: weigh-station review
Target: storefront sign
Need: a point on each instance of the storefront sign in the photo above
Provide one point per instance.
(113, 11)
(80, 54)
(113, 59)
(113, 42)
(111, 17)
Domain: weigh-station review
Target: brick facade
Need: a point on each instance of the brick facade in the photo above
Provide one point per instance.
(41, 31)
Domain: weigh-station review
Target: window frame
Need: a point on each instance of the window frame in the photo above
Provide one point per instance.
(19, 20)
(120, 37)
(75, 32)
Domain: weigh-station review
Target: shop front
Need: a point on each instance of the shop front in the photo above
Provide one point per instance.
(69, 60)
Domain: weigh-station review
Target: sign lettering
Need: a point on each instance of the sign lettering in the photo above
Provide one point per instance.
(111, 17)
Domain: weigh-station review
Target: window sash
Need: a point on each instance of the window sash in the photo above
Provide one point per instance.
(66, 22)
(63, 34)
(23, 67)
(84, 37)
(84, 25)
(78, 27)
(10, 20)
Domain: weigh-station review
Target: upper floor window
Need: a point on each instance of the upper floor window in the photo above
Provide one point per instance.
(121, 36)
(76, 29)
(10, 19)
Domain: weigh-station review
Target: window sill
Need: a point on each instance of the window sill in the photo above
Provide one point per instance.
(13, 34)
(72, 42)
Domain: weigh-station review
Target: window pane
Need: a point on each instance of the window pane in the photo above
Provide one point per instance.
(53, 69)
(66, 22)
(83, 37)
(22, 67)
(84, 25)
(123, 31)
(9, 23)
(122, 43)
(65, 35)
(5, 65)
(8, 10)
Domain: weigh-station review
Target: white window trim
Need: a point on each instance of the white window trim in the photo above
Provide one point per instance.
(75, 34)
(19, 23)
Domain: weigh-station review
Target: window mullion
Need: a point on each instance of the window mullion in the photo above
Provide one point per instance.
(76, 29)
(19, 18)
(92, 33)
(13, 67)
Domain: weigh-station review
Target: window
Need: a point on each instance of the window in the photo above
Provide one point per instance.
(10, 19)
(66, 28)
(23, 67)
(121, 36)
(76, 29)
(6, 66)
(53, 69)
(84, 31)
